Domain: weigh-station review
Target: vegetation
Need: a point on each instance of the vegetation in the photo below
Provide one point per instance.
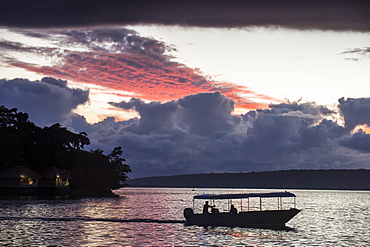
(335, 179)
(22, 143)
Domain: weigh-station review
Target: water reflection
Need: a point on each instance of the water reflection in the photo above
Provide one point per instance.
(328, 218)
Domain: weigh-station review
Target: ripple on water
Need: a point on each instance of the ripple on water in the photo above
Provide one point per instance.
(328, 218)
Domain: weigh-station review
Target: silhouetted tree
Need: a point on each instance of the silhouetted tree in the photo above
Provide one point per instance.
(119, 165)
(24, 143)
(58, 137)
(16, 137)
(97, 172)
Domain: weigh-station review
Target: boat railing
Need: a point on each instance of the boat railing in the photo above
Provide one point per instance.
(250, 202)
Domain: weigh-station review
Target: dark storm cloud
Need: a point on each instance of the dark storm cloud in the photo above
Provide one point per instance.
(199, 134)
(202, 114)
(47, 101)
(288, 134)
(359, 141)
(355, 111)
(119, 40)
(205, 114)
(154, 117)
(298, 14)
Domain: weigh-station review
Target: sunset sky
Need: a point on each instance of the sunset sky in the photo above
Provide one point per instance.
(196, 86)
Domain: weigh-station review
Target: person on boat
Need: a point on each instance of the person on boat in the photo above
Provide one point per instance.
(206, 206)
(233, 210)
(215, 211)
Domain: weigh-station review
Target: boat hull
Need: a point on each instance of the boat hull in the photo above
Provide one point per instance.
(268, 218)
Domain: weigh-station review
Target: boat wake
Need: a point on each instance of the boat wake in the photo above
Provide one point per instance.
(138, 220)
(91, 219)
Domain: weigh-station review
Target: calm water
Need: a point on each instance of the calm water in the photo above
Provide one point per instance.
(328, 218)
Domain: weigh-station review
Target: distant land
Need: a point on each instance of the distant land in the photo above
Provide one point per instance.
(288, 179)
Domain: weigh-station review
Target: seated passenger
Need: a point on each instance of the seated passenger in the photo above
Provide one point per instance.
(215, 211)
(233, 210)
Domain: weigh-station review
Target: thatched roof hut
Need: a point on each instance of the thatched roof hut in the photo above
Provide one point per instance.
(19, 176)
(52, 176)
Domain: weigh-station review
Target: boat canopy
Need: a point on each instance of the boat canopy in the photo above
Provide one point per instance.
(238, 196)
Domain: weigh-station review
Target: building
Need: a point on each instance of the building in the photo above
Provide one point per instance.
(54, 177)
(18, 177)
(21, 180)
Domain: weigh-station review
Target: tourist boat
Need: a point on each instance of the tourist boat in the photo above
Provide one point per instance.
(246, 217)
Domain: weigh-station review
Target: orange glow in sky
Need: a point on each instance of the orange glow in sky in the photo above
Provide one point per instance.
(139, 75)
(254, 67)
(363, 127)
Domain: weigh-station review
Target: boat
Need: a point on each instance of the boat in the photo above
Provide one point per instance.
(247, 216)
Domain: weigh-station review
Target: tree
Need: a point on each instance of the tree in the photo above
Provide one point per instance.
(16, 137)
(58, 142)
(58, 137)
(99, 173)
(119, 165)
(24, 143)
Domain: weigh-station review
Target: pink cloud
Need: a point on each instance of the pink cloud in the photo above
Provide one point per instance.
(138, 66)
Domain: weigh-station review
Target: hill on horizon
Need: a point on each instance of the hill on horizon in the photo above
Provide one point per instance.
(333, 179)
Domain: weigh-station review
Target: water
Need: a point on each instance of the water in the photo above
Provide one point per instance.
(328, 218)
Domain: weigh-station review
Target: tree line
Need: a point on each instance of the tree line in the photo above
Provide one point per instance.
(333, 179)
(23, 143)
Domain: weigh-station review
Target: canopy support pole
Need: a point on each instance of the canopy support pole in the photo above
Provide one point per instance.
(281, 203)
(260, 204)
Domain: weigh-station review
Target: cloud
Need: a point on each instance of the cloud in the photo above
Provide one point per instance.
(47, 101)
(123, 61)
(298, 14)
(201, 114)
(358, 141)
(154, 116)
(361, 53)
(206, 114)
(198, 134)
(355, 111)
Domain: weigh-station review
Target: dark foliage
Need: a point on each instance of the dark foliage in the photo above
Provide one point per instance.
(289, 179)
(22, 143)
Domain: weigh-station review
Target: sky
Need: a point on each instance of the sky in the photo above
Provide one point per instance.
(196, 86)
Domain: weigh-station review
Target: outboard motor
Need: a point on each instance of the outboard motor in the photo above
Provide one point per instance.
(188, 213)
